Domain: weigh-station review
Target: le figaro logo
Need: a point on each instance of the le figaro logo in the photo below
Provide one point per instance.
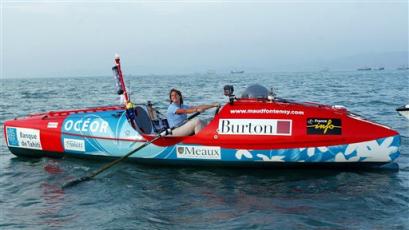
(74, 144)
(198, 152)
(324, 126)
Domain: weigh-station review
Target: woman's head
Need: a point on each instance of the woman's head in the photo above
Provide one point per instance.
(175, 96)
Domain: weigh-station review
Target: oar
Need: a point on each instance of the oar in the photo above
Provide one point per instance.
(109, 165)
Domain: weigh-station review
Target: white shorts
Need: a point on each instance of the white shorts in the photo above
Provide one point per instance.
(191, 127)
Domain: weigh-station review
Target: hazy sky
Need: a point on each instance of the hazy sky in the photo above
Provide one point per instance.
(71, 38)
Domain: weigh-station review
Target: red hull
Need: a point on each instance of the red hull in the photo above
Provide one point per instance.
(353, 128)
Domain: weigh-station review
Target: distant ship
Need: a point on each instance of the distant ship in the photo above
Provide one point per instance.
(403, 68)
(381, 68)
(365, 69)
(237, 71)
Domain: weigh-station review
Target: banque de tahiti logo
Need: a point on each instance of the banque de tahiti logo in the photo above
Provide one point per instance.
(324, 126)
(12, 136)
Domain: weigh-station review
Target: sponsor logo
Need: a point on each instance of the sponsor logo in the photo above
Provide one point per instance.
(86, 125)
(324, 126)
(23, 138)
(52, 125)
(273, 127)
(198, 152)
(74, 144)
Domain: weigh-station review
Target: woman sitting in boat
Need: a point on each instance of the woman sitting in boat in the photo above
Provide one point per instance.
(177, 114)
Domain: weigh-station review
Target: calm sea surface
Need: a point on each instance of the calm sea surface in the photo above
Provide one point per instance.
(132, 196)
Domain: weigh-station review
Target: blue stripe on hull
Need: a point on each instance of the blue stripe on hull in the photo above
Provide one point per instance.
(381, 150)
(194, 163)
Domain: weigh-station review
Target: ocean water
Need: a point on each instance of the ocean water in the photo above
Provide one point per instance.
(132, 196)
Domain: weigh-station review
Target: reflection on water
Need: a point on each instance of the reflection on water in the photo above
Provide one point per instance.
(53, 199)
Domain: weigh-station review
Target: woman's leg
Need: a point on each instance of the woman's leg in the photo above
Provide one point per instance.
(198, 125)
(192, 126)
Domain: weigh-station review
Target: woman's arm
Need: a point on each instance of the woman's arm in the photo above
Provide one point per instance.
(199, 108)
(206, 107)
(190, 110)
